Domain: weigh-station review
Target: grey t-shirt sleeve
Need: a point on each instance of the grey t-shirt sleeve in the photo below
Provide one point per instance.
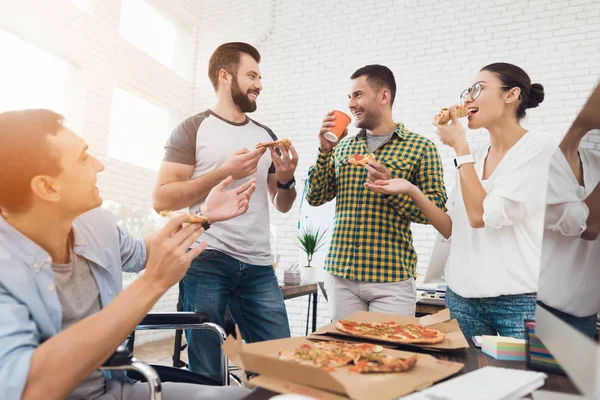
(181, 145)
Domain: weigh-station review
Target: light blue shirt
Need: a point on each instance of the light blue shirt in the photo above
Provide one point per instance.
(30, 311)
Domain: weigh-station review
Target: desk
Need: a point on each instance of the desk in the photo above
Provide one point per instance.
(426, 309)
(473, 359)
(310, 290)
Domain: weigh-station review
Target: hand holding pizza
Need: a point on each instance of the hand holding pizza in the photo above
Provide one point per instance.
(242, 163)
(285, 164)
(377, 172)
(453, 134)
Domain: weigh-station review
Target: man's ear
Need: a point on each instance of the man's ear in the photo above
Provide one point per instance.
(224, 77)
(386, 96)
(45, 188)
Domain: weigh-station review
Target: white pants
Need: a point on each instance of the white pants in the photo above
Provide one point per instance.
(346, 297)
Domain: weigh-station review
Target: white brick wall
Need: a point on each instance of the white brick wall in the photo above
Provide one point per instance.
(309, 49)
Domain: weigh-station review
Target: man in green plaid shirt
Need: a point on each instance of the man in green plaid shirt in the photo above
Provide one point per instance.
(372, 261)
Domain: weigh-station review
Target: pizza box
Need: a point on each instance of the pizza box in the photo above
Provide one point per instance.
(453, 336)
(289, 377)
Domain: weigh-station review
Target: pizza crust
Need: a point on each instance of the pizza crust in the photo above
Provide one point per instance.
(287, 143)
(394, 338)
(443, 117)
(194, 218)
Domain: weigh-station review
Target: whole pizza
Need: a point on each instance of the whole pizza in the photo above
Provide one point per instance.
(391, 331)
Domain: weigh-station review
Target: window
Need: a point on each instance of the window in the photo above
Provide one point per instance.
(137, 221)
(138, 130)
(30, 77)
(146, 28)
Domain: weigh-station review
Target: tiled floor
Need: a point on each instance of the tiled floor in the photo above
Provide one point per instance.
(159, 352)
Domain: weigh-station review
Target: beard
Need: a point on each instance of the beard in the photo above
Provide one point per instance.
(369, 120)
(241, 99)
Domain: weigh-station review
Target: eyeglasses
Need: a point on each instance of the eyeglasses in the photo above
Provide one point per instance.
(475, 90)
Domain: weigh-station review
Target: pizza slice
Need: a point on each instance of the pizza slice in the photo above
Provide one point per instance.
(195, 218)
(307, 354)
(361, 160)
(443, 117)
(383, 363)
(285, 142)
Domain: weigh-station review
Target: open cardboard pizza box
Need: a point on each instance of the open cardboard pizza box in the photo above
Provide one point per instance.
(453, 336)
(289, 377)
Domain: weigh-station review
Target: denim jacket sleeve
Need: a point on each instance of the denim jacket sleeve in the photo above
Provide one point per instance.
(133, 251)
(18, 340)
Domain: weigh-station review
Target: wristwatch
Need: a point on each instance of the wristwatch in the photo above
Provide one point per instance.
(458, 161)
(286, 186)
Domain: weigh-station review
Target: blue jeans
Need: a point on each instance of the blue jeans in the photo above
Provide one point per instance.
(586, 325)
(501, 315)
(215, 281)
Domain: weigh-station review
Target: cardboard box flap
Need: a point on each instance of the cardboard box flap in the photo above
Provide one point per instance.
(262, 358)
(366, 316)
(286, 376)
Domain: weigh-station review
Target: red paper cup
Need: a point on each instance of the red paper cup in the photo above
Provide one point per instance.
(342, 120)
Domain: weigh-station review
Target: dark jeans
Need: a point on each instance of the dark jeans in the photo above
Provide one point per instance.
(502, 315)
(586, 325)
(215, 281)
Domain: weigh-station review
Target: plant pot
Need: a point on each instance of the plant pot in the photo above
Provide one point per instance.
(309, 275)
(291, 277)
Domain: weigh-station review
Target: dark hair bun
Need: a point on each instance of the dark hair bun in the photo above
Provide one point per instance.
(536, 95)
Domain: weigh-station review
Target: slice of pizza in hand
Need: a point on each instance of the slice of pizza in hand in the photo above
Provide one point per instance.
(194, 218)
(285, 142)
(361, 160)
(443, 117)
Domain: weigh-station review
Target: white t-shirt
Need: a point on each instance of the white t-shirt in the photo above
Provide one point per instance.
(205, 141)
(570, 269)
(503, 257)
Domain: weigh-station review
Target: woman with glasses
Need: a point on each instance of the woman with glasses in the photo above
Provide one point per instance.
(496, 213)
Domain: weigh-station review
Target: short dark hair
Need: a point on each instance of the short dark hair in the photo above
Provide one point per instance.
(25, 153)
(227, 56)
(512, 76)
(378, 76)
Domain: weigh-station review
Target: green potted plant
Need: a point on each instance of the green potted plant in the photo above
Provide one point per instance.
(310, 241)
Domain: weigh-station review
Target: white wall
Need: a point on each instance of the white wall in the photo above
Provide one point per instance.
(309, 49)
(312, 47)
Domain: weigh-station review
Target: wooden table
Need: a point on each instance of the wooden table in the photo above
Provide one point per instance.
(473, 359)
(310, 290)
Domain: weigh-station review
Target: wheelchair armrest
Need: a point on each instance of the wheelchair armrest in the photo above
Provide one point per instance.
(172, 320)
(122, 356)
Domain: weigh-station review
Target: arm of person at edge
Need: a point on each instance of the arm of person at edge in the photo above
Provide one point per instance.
(83, 347)
(285, 166)
(587, 120)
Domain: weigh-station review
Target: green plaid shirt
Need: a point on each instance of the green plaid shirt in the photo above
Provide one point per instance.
(372, 240)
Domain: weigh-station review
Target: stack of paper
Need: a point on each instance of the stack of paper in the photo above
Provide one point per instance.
(504, 348)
